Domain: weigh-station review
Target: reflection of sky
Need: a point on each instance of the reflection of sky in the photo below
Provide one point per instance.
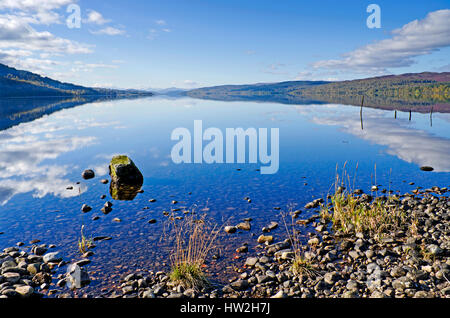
(25, 149)
(410, 144)
(41, 157)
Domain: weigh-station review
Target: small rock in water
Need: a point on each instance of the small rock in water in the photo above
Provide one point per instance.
(88, 174)
(152, 221)
(230, 229)
(104, 181)
(272, 226)
(242, 249)
(106, 210)
(86, 208)
(426, 168)
(54, 257)
(245, 226)
(265, 239)
(117, 220)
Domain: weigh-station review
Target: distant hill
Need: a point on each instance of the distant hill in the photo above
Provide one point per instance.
(417, 92)
(18, 83)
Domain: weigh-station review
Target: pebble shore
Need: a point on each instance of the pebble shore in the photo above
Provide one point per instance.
(402, 264)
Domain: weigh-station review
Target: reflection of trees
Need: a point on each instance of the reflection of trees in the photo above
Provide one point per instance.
(14, 111)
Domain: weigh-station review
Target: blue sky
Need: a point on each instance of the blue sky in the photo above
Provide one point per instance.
(193, 43)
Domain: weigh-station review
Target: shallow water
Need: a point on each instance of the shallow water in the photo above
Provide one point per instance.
(41, 158)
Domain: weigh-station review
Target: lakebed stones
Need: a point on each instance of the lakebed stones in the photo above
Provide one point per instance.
(23, 275)
(336, 265)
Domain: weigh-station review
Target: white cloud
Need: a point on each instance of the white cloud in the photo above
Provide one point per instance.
(96, 18)
(36, 11)
(34, 5)
(153, 33)
(419, 37)
(16, 33)
(109, 31)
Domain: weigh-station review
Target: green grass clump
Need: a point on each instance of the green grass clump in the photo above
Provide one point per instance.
(84, 244)
(303, 267)
(349, 214)
(189, 275)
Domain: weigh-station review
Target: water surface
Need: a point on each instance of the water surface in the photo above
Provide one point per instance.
(40, 159)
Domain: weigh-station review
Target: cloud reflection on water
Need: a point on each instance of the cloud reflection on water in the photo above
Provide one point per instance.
(24, 149)
(409, 144)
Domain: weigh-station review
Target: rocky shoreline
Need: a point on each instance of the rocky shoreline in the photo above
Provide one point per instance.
(411, 262)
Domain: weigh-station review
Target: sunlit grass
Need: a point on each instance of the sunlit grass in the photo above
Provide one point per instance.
(84, 244)
(194, 240)
(350, 214)
(301, 265)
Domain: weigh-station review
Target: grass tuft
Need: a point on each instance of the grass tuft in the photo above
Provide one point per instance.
(301, 265)
(194, 240)
(84, 244)
(350, 214)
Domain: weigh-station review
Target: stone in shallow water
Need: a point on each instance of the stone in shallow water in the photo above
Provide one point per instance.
(123, 171)
(230, 229)
(265, 239)
(85, 208)
(76, 277)
(88, 174)
(54, 257)
(245, 226)
(126, 179)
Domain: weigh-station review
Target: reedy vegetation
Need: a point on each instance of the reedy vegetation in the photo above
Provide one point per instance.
(349, 214)
(194, 240)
